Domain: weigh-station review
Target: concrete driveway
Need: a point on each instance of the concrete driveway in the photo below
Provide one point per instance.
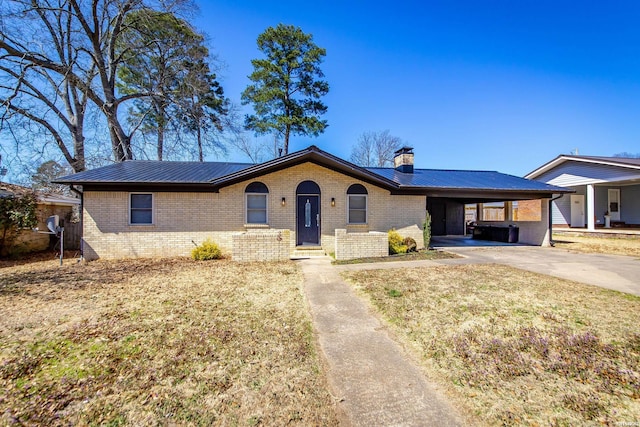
(621, 273)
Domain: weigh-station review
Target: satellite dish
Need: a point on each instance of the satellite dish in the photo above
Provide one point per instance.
(52, 223)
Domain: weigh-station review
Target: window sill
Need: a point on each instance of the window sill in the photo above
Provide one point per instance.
(250, 226)
(358, 226)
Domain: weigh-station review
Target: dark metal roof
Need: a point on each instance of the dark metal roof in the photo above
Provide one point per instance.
(464, 180)
(150, 171)
(214, 175)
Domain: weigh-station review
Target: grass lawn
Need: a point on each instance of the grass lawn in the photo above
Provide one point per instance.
(158, 342)
(411, 256)
(513, 347)
(598, 245)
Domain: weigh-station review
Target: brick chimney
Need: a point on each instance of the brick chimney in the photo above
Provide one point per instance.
(403, 160)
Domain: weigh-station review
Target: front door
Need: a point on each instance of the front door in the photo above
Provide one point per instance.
(308, 220)
(577, 210)
(614, 204)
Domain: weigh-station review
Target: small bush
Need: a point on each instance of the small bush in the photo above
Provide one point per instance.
(206, 251)
(396, 245)
(426, 230)
(411, 244)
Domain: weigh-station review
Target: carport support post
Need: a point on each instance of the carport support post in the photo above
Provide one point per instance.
(591, 209)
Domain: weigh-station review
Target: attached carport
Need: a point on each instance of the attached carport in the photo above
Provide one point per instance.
(448, 209)
(448, 191)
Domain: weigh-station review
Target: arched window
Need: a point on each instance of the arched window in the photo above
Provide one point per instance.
(357, 204)
(256, 202)
(308, 187)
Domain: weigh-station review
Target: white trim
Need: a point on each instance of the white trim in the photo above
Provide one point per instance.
(153, 209)
(561, 159)
(366, 209)
(59, 201)
(590, 211)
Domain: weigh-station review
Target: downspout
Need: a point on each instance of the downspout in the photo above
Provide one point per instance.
(551, 219)
(81, 195)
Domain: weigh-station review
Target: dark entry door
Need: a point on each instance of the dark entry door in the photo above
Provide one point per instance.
(308, 220)
(438, 210)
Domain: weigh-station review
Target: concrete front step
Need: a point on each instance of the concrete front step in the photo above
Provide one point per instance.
(308, 252)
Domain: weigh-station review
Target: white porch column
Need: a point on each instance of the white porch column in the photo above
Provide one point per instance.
(591, 207)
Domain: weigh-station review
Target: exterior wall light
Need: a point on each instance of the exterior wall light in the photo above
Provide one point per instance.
(333, 202)
(283, 201)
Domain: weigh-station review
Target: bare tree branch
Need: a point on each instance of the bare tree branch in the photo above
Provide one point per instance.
(375, 149)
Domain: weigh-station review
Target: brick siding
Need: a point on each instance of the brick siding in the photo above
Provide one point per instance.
(182, 219)
(360, 245)
(261, 245)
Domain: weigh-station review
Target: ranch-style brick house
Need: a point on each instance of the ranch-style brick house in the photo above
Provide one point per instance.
(305, 201)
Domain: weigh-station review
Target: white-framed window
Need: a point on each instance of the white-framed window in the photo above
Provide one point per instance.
(141, 208)
(357, 204)
(256, 195)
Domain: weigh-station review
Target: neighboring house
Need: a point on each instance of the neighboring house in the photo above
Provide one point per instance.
(603, 186)
(48, 204)
(304, 200)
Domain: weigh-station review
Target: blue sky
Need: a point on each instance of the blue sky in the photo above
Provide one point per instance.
(496, 85)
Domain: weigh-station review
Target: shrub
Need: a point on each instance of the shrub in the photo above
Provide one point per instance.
(17, 212)
(410, 243)
(206, 251)
(396, 245)
(426, 230)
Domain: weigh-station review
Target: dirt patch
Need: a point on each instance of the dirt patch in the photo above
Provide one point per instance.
(166, 341)
(514, 347)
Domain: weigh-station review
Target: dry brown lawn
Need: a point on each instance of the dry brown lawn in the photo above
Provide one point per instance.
(410, 256)
(598, 245)
(158, 342)
(513, 347)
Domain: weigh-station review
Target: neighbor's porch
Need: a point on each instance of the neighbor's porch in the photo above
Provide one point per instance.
(594, 207)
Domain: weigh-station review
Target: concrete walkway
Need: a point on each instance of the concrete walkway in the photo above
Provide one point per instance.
(369, 373)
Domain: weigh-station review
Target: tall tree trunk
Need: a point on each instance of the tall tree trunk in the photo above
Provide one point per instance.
(78, 163)
(285, 146)
(160, 140)
(199, 137)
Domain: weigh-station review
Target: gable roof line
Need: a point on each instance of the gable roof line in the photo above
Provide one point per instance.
(311, 153)
(608, 161)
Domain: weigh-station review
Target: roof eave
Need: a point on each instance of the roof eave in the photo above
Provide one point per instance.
(564, 158)
(148, 186)
(547, 166)
(522, 194)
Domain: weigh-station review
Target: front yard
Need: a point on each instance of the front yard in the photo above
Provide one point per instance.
(158, 342)
(512, 347)
(598, 245)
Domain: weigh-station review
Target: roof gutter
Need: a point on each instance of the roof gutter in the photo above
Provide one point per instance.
(81, 195)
